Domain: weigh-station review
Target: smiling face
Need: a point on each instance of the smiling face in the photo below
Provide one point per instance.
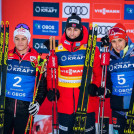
(21, 44)
(118, 44)
(72, 32)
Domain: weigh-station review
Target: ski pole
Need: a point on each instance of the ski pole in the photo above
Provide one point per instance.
(30, 119)
(104, 62)
(53, 65)
(55, 74)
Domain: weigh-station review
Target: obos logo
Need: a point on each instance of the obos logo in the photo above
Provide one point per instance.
(103, 28)
(81, 9)
(45, 28)
(45, 9)
(129, 12)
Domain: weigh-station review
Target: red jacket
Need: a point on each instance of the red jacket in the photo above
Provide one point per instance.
(71, 57)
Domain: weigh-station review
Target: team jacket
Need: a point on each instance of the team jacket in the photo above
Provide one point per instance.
(71, 57)
(121, 77)
(20, 81)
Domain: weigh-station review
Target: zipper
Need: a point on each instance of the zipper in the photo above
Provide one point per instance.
(15, 105)
(74, 100)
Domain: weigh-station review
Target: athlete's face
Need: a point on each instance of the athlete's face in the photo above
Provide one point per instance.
(118, 44)
(72, 32)
(21, 43)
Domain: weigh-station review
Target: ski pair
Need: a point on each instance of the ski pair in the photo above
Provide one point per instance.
(105, 59)
(129, 128)
(81, 113)
(53, 65)
(4, 41)
(39, 71)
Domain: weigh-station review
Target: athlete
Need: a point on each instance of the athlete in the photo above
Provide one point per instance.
(71, 56)
(20, 83)
(120, 75)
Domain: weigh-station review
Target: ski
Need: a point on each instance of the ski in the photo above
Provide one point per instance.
(81, 113)
(129, 128)
(3, 68)
(4, 41)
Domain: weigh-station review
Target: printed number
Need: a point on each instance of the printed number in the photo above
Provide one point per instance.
(121, 80)
(16, 84)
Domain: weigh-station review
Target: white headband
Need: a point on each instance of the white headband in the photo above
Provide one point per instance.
(22, 31)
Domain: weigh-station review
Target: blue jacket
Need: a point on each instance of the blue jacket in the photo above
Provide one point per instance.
(120, 77)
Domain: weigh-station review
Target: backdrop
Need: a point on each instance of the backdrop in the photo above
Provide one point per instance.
(47, 19)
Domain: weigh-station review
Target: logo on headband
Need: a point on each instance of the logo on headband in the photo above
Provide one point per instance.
(73, 25)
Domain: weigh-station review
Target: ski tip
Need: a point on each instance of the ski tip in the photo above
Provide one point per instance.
(2, 23)
(7, 23)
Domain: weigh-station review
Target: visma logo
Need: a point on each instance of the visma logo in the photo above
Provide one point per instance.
(38, 26)
(105, 11)
(130, 10)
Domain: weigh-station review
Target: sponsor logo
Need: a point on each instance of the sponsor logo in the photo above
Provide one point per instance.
(74, 21)
(19, 69)
(66, 42)
(101, 11)
(32, 58)
(38, 45)
(130, 30)
(77, 71)
(45, 28)
(103, 28)
(129, 12)
(120, 65)
(114, 120)
(45, 9)
(60, 47)
(16, 94)
(72, 57)
(81, 9)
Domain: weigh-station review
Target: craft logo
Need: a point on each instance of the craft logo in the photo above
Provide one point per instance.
(81, 9)
(130, 30)
(103, 28)
(45, 9)
(107, 11)
(38, 45)
(45, 28)
(129, 12)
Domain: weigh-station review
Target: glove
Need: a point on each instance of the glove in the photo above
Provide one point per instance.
(92, 90)
(101, 91)
(105, 41)
(51, 95)
(33, 108)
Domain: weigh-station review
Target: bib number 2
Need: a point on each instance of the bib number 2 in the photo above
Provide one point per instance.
(17, 83)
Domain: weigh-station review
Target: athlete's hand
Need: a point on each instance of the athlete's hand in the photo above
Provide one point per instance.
(33, 108)
(105, 41)
(51, 94)
(92, 90)
(101, 91)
